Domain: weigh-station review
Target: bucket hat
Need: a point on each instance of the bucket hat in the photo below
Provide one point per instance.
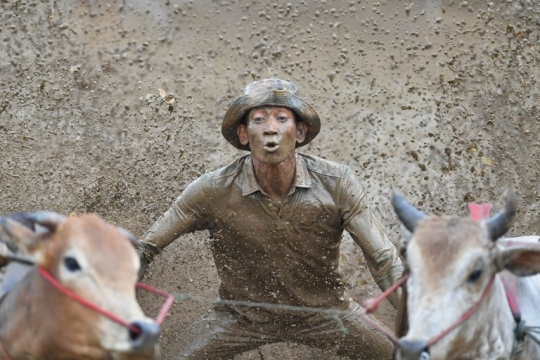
(269, 92)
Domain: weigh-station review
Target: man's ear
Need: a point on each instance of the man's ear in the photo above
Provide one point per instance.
(520, 258)
(301, 131)
(241, 131)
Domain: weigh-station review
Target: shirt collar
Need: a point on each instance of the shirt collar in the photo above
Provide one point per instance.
(250, 185)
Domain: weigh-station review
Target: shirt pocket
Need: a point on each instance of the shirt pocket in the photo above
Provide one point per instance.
(311, 216)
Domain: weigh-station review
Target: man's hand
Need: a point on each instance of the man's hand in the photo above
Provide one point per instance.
(146, 252)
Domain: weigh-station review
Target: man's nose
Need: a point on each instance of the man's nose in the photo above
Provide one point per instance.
(271, 126)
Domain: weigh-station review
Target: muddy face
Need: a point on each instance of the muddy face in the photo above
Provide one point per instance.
(272, 134)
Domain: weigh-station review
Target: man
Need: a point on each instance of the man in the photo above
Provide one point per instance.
(276, 218)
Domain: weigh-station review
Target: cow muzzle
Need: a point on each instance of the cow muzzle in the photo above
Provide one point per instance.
(413, 350)
(145, 341)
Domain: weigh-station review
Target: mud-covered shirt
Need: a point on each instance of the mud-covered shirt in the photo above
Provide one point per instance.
(286, 253)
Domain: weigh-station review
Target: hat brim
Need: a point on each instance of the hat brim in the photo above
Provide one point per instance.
(241, 106)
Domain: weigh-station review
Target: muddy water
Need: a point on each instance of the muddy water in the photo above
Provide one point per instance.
(435, 98)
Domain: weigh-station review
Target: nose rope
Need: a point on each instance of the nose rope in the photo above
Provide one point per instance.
(372, 304)
(166, 306)
(465, 316)
(136, 330)
(478, 212)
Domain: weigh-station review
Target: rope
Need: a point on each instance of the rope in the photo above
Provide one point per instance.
(134, 329)
(370, 305)
(533, 329)
(269, 306)
(331, 313)
(86, 303)
(168, 303)
(465, 316)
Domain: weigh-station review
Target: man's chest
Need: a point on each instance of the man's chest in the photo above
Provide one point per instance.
(301, 219)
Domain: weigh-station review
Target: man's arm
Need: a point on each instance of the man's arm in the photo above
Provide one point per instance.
(187, 214)
(381, 255)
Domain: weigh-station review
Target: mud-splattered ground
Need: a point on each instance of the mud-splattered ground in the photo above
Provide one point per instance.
(436, 98)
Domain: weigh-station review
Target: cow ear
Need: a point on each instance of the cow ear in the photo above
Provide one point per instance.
(520, 258)
(404, 241)
(16, 235)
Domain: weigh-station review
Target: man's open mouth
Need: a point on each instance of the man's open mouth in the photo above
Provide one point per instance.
(271, 146)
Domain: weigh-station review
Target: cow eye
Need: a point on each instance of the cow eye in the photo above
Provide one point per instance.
(475, 275)
(71, 263)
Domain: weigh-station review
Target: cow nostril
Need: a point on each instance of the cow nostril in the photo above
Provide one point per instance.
(414, 350)
(133, 334)
(146, 336)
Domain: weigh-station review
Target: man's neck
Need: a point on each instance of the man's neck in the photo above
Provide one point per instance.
(275, 180)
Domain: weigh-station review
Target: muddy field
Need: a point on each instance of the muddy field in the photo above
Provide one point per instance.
(435, 98)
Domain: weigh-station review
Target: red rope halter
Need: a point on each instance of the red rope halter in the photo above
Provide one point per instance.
(162, 314)
(372, 304)
(465, 316)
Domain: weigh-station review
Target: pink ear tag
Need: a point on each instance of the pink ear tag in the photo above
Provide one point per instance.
(480, 211)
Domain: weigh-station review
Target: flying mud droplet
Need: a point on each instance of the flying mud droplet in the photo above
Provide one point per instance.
(189, 99)
(331, 75)
(168, 98)
(486, 161)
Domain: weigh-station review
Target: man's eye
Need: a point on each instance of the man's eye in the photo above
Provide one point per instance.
(258, 119)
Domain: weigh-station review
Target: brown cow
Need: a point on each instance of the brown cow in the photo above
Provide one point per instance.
(91, 258)
(455, 266)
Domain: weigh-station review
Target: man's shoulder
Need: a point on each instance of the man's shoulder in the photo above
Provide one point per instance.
(229, 170)
(324, 167)
(221, 178)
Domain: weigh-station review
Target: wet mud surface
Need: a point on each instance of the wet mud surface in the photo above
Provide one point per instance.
(115, 107)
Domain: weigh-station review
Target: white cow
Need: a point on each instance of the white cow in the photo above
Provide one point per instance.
(455, 264)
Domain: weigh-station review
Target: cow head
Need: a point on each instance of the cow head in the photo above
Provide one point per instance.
(97, 261)
(451, 261)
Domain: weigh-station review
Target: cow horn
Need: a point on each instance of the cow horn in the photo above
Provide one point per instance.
(407, 214)
(499, 224)
(49, 219)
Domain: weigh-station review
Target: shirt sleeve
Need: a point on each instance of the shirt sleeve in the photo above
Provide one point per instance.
(381, 255)
(188, 213)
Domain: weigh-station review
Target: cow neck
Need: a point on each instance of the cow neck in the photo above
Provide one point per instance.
(512, 296)
(509, 282)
